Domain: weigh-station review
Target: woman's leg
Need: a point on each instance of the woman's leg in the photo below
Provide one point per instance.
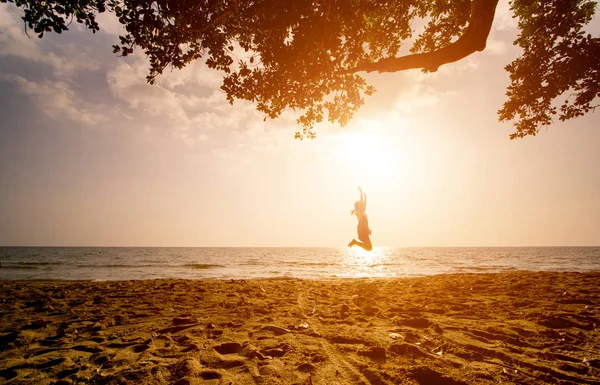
(365, 245)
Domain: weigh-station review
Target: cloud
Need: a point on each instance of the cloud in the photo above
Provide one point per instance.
(495, 47)
(13, 40)
(57, 100)
(65, 59)
(70, 60)
(109, 24)
(51, 71)
(187, 103)
(503, 20)
(422, 96)
(194, 75)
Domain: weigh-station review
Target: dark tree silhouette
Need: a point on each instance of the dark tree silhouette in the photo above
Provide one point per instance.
(307, 55)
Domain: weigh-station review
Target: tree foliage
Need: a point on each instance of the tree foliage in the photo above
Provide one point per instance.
(560, 65)
(308, 55)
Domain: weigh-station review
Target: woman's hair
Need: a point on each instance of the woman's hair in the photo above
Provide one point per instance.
(359, 206)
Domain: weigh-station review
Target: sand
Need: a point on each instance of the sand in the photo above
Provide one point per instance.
(516, 328)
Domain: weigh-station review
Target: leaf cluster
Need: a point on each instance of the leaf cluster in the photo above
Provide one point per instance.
(56, 15)
(559, 59)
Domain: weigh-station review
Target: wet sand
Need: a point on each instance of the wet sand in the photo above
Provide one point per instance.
(515, 328)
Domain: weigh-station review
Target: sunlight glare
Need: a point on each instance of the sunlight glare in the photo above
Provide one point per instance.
(362, 263)
(367, 155)
(383, 155)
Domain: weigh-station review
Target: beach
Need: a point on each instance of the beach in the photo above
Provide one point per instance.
(450, 329)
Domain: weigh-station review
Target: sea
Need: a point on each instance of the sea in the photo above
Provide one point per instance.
(136, 263)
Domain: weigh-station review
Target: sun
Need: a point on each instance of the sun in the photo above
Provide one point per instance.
(368, 156)
(384, 158)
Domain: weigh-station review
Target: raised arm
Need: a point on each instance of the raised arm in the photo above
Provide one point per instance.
(363, 198)
(361, 194)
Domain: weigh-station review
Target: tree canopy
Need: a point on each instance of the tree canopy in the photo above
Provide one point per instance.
(308, 55)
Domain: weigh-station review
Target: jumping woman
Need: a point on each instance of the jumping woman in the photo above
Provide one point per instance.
(364, 233)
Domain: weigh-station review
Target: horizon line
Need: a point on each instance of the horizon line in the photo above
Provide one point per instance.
(295, 247)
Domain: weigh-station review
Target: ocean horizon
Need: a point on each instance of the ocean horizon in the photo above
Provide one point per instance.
(138, 263)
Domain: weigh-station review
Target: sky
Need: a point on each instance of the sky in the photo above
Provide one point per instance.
(91, 155)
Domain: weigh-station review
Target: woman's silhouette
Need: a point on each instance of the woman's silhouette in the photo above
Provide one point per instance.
(364, 233)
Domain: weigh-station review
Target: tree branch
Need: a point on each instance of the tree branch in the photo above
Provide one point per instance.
(474, 39)
(216, 19)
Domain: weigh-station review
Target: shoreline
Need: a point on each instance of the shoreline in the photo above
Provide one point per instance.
(459, 328)
(309, 279)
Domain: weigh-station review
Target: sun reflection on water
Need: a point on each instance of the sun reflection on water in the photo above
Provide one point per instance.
(359, 263)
